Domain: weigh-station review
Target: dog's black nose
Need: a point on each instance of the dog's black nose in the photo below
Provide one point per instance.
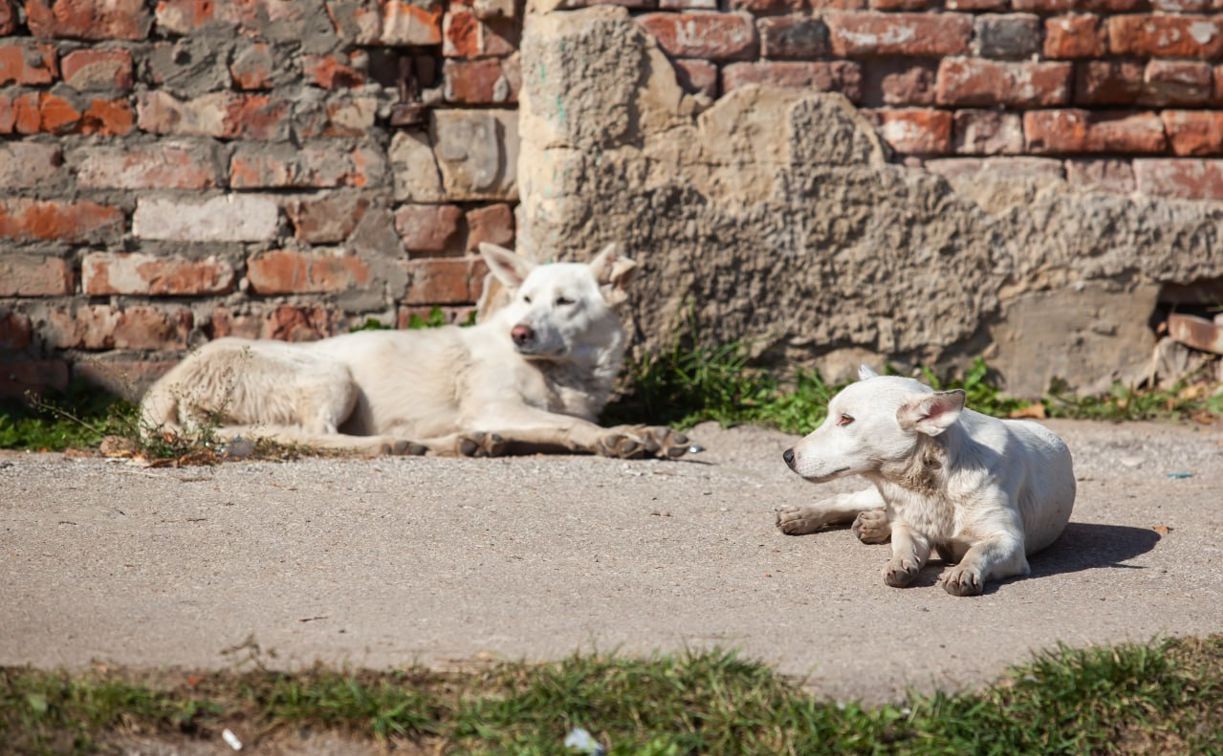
(522, 334)
(788, 456)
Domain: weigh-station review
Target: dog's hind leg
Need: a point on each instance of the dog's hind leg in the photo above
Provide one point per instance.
(294, 436)
(839, 510)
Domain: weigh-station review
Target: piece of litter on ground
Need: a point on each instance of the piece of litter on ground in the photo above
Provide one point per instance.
(695, 449)
(1131, 461)
(231, 739)
(1180, 475)
(582, 741)
(1163, 530)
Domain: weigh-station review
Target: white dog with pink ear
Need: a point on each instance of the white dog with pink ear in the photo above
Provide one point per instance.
(982, 492)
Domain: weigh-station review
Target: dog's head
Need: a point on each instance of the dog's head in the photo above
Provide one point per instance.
(873, 422)
(556, 310)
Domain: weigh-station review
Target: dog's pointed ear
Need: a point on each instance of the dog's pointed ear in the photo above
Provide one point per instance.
(614, 272)
(864, 372)
(509, 267)
(931, 413)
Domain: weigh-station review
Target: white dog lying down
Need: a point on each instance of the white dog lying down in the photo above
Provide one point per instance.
(533, 377)
(983, 492)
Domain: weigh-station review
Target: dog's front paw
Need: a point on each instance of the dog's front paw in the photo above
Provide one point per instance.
(963, 581)
(898, 573)
(872, 526)
(799, 520)
(480, 445)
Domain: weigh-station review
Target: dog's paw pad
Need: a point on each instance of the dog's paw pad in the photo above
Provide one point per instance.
(963, 583)
(481, 445)
(620, 445)
(797, 521)
(872, 526)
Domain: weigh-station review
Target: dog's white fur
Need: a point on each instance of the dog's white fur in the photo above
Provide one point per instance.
(985, 493)
(471, 391)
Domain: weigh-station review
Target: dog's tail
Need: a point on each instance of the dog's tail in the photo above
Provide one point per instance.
(159, 409)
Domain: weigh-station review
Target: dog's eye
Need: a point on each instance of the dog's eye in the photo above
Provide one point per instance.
(562, 301)
(844, 419)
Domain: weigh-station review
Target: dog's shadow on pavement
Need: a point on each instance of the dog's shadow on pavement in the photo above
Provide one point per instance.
(1088, 546)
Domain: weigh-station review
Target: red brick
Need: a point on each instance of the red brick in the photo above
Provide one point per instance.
(34, 276)
(24, 165)
(14, 331)
(19, 113)
(444, 281)
(973, 81)
(159, 165)
(8, 17)
(1109, 82)
(109, 327)
(919, 34)
(36, 112)
(290, 272)
(1177, 82)
(88, 19)
(56, 114)
(284, 323)
(98, 69)
(697, 76)
(1075, 36)
(977, 5)
(1194, 132)
(1071, 131)
(1113, 176)
(310, 166)
(336, 118)
(108, 118)
(225, 115)
(488, 81)
(1181, 6)
(25, 376)
(899, 82)
(327, 219)
(1186, 178)
(716, 36)
(1114, 6)
(387, 22)
(903, 5)
(275, 20)
(464, 35)
(688, 4)
(915, 131)
(33, 220)
(27, 63)
(792, 37)
(253, 66)
(1166, 36)
(824, 76)
(106, 273)
(775, 7)
(1218, 93)
(493, 223)
(839, 5)
(988, 132)
(1045, 6)
(428, 228)
(335, 71)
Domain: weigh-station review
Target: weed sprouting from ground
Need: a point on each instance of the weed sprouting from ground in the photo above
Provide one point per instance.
(1155, 698)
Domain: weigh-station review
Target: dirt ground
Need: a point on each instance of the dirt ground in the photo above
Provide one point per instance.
(388, 561)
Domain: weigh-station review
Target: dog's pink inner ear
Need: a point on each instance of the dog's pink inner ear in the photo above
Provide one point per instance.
(612, 268)
(931, 413)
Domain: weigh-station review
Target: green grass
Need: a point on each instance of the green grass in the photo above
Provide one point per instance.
(1156, 698)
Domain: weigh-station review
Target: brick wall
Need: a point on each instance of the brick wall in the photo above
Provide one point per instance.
(180, 170)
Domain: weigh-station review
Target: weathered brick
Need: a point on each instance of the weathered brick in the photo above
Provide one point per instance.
(85, 70)
(1187, 178)
(1071, 131)
(218, 114)
(1114, 6)
(414, 167)
(110, 327)
(1167, 82)
(489, 81)
(987, 132)
(715, 36)
(428, 228)
(1112, 176)
(899, 82)
(977, 5)
(1100, 82)
(27, 62)
(335, 70)
(915, 131)
(493, 223)
(973, 81)
(776, 7)
(8, 17)
(34, 276)
(838, 5)
(903, 5)
(1194, 132)
(1045, 6)
(1181, 6)
(253, 66)
(25, 376)
(464, 35)
(106, 273)
(255, 166)
(327, 220)
(284, 323)
(1166, 36)
(274, 20)
(823, 76)
(697, 76)
(388, 22)
(24, 165)
(54, 113)
(688, 4)
(477, 153)
(1218, 90)
(83, 221)
(317, 272)
(348, 117)
(444, 281)
(88, 19)
(1011, 35)
(232, 218)
(1077, 35)
(157, 165)
(792, 37)
(14, 331)
(918, 34)
(998, 169)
